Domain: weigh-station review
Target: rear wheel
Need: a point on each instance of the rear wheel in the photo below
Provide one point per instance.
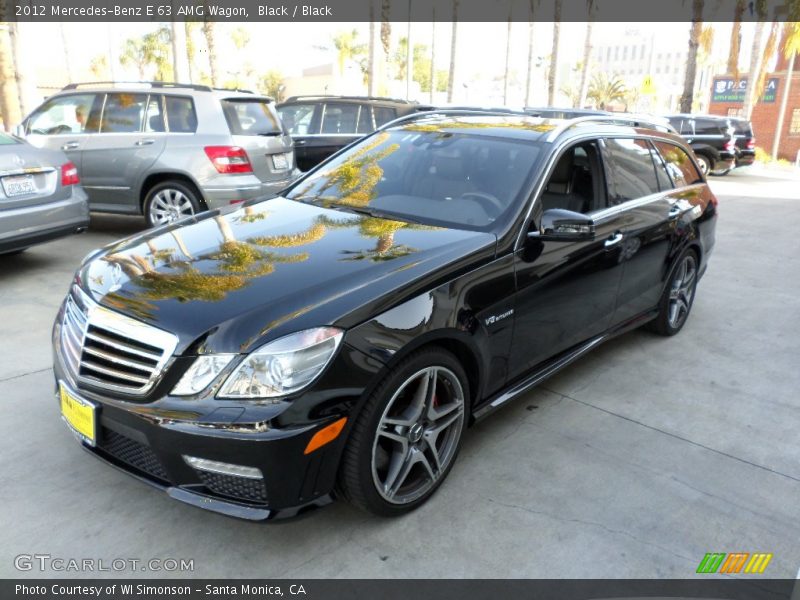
(407, 435)
(705, 163)
(676, 302)
(169, 201)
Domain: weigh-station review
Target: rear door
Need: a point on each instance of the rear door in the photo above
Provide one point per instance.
(256, 127)
(641, 192)
(126, 145)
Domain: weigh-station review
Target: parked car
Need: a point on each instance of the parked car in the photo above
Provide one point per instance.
(165, 150)
(745, 141)
(640, 120)
(712, 139)
(40, 196)
(322, 125)
(339, 339)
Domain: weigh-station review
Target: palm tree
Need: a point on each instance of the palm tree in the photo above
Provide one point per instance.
(346, 47)
(736, 40)
(587, 54)
(191, 47)
(604, 90)
(533, 4)
(508, 56)
(453, 46)
(209, 31)
(552, 76)
(755, 59)
(9, 94)
(791, 48)
(433, 56)
(371, 57)
(65, 49)
(687, 98)
(180, 57)
(770, 49)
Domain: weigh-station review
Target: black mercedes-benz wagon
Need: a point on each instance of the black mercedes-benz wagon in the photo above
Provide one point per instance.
(337, 340)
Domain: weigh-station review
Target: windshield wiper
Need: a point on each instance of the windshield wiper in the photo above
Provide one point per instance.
(371, 212)
(269, 133)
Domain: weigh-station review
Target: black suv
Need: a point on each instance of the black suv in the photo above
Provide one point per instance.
(257, 360)
(745, 141)
(322, 125)
(712, 139)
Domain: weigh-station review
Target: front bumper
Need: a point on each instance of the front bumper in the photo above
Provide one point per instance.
(149, 437)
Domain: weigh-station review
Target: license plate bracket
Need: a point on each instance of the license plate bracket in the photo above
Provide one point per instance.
(18, 185)
(79, 414)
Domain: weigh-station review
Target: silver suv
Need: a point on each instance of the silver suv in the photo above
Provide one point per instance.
(165, 150)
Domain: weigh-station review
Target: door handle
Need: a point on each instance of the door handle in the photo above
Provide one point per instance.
(300, 142)
(613, 240)
(147, 142)
(70, 146)
(675, 211)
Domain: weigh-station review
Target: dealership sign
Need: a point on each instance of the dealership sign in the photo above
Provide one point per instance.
(727, 89)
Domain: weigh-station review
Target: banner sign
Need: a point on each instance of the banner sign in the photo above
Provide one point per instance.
(727, 89)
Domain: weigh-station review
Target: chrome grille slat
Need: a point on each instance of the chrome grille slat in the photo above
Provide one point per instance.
(97, 337)
(110, 350)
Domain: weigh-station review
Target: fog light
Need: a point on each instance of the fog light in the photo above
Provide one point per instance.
(213, 466)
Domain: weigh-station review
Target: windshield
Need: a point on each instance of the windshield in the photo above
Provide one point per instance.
(457, 180)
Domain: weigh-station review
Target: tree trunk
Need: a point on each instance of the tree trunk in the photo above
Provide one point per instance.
(180, 59)
(211, 43)
(529, 73)
(9, 94)
(508, 57)
(433, 57)
(453, 43)
(65, 49)
(752, 72)
(26, 86)
(371, 59)
(687, 98)
(552, 76)
(736, 40)
(782, 110)
(587, 54)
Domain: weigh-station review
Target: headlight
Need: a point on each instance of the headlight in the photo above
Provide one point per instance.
(202, 372)
(284, 366)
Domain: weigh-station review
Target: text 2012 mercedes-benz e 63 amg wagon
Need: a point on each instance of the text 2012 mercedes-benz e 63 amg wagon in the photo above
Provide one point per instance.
(337, 340)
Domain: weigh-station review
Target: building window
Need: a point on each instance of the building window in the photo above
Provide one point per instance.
(794, 124)
(735, 112)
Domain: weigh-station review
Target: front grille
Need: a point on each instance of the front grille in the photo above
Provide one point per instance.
(132, 453)
(239, 488)
(105, 348)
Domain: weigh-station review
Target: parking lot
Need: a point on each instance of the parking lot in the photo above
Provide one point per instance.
(633, 462)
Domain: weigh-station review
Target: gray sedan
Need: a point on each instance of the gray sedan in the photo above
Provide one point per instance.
(40, 195)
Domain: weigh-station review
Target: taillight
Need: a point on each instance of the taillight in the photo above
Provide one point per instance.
(69, 174)
(730, 145)
(751, 143)
(229, 159)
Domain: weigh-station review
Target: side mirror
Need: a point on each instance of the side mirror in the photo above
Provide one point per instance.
(559, 225)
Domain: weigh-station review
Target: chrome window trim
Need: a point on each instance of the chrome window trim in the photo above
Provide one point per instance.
(124, 326)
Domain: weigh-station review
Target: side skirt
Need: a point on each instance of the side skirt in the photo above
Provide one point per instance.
(554, 365)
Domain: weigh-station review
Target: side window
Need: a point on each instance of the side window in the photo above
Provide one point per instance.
(154, 118)
(576, 181)
(383, 115)
(297, 118)
(62, 116)
(181, 116)
(632, 171)
(664, 181)
(707, 127)
(365, 124)
(123, 113)
(339, 118)
(680, 167)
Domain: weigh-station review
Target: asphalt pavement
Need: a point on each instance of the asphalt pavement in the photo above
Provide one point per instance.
(633, 462)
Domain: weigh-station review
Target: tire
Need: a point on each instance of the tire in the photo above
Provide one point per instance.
(720, 173)
(395, 471)
(169, 201)
(705, 163)
(678, 297)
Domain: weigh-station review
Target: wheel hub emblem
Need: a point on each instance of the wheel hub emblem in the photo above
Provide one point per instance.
(415, 433)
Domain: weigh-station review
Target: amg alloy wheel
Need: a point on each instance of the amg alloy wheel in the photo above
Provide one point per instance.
(676, 302)
(408, 435)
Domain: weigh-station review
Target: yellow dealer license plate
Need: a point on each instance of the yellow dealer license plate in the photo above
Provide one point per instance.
(79, 414)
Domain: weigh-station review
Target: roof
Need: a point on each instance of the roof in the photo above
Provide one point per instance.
(143, 86)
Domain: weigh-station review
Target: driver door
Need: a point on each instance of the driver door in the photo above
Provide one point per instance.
(566, 291)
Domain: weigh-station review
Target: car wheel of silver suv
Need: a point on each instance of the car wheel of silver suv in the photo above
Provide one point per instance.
(169, 201)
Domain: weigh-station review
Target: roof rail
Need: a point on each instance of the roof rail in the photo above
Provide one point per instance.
(152, 84)
(453, 112)
(218, 89)
(610, 120)
(384, 98)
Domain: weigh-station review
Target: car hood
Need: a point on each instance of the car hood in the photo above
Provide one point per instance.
(230, 280)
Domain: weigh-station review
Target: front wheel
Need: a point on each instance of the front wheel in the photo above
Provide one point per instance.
(705, 163)
(676, 302)
(169, 201)
(407, 436)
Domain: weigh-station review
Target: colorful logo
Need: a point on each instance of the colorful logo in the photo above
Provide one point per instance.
(735, 562)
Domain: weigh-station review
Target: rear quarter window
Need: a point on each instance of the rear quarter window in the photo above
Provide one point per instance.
(679, 165)
(251, 117)
(181, 115)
